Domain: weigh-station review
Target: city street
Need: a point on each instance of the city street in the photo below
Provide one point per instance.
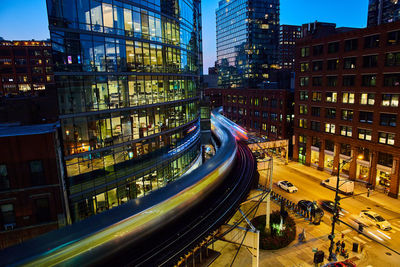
(307, 180)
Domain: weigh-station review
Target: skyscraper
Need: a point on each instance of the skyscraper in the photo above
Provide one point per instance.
(288, 34)
(383, 11)
(247, 42)
(127, 75)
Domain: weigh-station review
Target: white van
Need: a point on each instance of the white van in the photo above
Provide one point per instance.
(345, 186)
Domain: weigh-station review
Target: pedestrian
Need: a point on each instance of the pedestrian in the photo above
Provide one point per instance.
(337, 247)
(312, 214)
(343, 245)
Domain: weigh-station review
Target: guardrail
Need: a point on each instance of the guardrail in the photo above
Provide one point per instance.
(292, 206)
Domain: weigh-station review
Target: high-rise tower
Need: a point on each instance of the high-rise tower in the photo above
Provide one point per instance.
(383, 11)
(127, 76)
(247, 42)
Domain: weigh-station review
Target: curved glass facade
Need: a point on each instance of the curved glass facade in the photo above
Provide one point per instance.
(127, 76)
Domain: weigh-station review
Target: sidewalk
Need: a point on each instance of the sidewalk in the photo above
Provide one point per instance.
(375, 196)
(295, 255)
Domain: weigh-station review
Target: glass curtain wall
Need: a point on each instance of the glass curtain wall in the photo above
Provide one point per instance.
(247, 34)
(127, 75)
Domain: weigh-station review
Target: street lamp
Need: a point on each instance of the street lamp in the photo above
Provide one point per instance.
(335, 209)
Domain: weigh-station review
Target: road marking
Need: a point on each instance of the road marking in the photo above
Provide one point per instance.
(395, 228)
(366, 239)
(359, 240)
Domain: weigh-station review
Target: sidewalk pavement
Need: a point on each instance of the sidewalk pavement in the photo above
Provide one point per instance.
(375, 196)
(295, 255)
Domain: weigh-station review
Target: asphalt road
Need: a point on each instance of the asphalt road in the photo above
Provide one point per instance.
(310, 189)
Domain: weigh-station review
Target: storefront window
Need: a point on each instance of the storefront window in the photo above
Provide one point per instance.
(362, 172)
(314, 157)
(302, 154)
(383, 179)
(345, 166)
(328, 161)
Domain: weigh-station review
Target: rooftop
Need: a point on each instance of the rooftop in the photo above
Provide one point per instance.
(14, 129)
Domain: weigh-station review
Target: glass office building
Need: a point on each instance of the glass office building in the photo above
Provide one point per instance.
(247, 42)
(127, 76)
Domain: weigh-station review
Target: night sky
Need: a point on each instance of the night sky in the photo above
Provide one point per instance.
(27, 19)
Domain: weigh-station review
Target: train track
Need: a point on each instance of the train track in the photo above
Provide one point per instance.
(156, 229)
(174, 241)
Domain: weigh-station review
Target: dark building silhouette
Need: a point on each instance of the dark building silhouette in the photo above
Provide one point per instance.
(288, 34)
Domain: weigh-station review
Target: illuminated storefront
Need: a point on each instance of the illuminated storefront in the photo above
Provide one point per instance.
(345, 165)
(328, 160)
(363, 170)
(383, 176)
(314, 156)
(127, 76)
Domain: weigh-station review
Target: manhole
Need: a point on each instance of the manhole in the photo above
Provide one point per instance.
(388, 253)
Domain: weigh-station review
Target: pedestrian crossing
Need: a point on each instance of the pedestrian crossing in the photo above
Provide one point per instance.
(373, 232)
(395, 227)
(361, 239)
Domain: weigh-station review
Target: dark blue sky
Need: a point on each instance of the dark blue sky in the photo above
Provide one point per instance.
(27, 19)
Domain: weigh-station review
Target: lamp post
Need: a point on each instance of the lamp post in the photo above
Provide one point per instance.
(335, 209)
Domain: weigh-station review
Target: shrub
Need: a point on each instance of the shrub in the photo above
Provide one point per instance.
(275, 240)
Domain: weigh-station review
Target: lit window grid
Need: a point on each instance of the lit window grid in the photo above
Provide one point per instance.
(79, 94)
(90, 201)
(93, 54)
(91, 132)
(118, 162)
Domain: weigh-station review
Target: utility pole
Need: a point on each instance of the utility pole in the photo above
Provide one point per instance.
(268, 211)
(336, 209)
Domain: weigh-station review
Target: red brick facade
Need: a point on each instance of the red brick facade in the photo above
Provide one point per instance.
(25, 67)
(30, 192)
(347, 102)
(265, 111)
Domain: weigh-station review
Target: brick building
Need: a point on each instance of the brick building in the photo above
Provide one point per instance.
(347, 102)
(268, 112)
(31, 201)
(25, 67)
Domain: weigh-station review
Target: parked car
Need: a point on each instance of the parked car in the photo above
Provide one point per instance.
(372, 218)
(287, 186)
(329, 206)
(345, 186)
(346, 263)
(304, 204)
